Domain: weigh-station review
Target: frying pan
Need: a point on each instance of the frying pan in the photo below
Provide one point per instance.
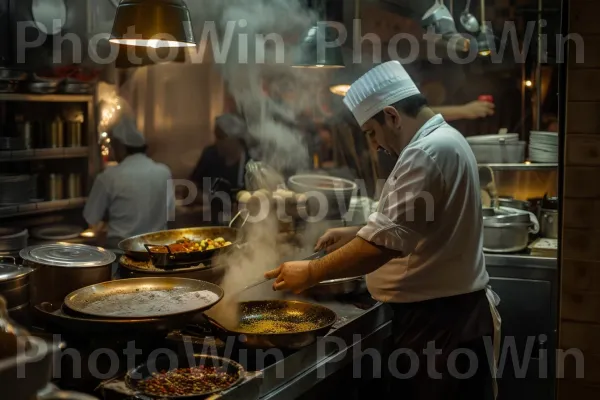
(135, 376)
(80, 299)
(134, 247)
(55, 316)
(279, 310)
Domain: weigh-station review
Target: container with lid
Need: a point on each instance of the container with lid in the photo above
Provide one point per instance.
(14, 285)
(506, 230)
(61, 268)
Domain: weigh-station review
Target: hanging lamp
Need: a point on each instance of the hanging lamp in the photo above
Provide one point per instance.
(153, 23)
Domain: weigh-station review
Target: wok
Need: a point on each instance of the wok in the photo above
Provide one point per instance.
(284, 311)
(80, 300)
(134, 247)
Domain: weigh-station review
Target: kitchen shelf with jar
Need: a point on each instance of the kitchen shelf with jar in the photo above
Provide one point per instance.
(49, 153)
(41, 207)
(44, 154)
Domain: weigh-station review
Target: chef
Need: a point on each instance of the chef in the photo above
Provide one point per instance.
(227, 158)
(422, 250)
(134, 197)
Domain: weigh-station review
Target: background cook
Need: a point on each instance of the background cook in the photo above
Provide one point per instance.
(134, 197)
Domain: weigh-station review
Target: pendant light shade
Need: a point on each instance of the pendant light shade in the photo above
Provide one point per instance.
(153, 23)
(312, 52)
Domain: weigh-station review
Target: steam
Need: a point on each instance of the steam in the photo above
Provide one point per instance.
(259, 89)
(267, 29)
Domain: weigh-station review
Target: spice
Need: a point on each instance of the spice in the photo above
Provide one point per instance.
(268, 326)
(188, 381)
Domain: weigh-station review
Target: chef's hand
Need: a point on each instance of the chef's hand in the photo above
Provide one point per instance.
(294, 276)
(335, 238)
(478, 109)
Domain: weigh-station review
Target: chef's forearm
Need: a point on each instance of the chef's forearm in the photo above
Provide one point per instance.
(357, 258)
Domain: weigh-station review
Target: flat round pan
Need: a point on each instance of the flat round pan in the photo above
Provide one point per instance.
(137, 375)
(285, 311)
(135, 248)
(64, 321)
(81, 299)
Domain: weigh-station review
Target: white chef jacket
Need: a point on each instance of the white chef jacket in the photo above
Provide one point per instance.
(430, 211)
(137, 195)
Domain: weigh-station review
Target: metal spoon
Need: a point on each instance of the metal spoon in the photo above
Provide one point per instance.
(468, 20)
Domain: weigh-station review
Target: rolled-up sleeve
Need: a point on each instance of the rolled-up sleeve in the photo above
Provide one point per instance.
(409, 202)
(97, 202)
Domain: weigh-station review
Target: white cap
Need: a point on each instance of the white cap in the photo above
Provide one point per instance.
(232, 125)
(382, 86)
(127, 133)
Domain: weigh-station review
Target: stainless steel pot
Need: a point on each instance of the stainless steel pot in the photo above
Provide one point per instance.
(506, 230)
(549, 223)
(62, 268)
(324, 191)
(14, 285)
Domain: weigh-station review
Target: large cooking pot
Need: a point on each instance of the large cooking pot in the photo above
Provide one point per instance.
(324, 191)
(61, 268)
(14, 285)
(506, 230)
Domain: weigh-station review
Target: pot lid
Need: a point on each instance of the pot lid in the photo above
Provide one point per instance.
(9, 272)
(505, 215)
(68, 255)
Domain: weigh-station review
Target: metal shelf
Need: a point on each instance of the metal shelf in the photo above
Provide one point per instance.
(44, 154)
(521, 166)
(51, 98)
(41, 207)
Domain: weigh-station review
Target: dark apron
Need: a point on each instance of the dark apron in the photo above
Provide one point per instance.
(451, 323)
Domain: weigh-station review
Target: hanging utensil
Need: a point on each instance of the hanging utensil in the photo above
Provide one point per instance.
(468, 20)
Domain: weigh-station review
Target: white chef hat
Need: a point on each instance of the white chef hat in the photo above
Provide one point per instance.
(382, 86)
(232, 125)
(127, 133)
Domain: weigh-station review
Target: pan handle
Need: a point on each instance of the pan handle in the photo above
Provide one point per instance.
(150, 246)
(246, 214)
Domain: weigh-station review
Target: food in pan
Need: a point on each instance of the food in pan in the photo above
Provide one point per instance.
(187, 381)
(186, 245)
(271, 326)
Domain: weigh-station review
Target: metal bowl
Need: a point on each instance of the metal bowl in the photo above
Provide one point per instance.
(338, 287)
(137, 375)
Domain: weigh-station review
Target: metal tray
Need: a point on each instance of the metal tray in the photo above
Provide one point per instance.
(80, 299)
